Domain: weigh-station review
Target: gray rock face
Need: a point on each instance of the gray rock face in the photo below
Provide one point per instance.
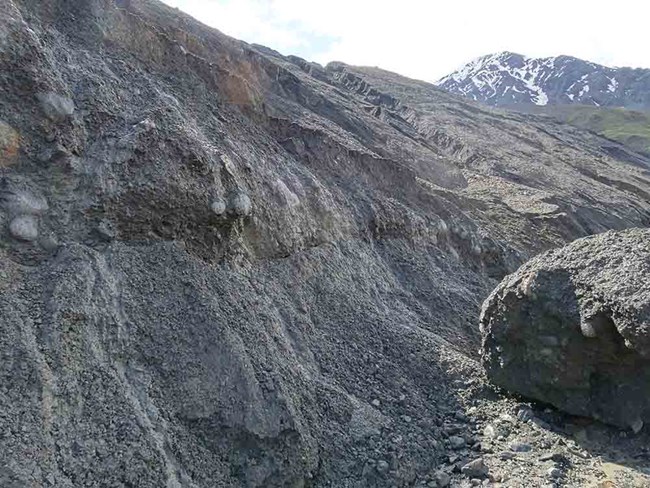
(512, 80)
(149, 339)
(572, 328)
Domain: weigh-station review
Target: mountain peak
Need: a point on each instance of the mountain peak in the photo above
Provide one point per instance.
(489, 77)
(506, 79)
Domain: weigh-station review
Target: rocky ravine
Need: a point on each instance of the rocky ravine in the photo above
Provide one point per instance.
(224, 267)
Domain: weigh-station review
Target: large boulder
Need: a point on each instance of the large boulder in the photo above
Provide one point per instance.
(572, 328)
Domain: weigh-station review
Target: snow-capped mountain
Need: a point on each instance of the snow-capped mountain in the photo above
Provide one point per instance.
(509, 79)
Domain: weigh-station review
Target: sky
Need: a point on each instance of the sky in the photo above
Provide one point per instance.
(428, 39)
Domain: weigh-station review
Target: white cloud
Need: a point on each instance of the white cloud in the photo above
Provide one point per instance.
(427, 39)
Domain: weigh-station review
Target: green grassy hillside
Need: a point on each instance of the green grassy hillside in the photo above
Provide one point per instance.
(628, 127)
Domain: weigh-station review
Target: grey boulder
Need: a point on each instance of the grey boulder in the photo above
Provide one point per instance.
(475, 469)
(240, 205)
(572, 328)
(55, 106)
(24, 228)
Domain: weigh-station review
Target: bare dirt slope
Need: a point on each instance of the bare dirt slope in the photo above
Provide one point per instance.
(224, 267)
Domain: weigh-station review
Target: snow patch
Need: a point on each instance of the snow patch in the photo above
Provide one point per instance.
(613, 85)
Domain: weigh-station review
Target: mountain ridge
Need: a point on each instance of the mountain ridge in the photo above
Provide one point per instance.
(509, 79)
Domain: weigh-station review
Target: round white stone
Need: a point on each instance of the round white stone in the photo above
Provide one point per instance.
(24, 228)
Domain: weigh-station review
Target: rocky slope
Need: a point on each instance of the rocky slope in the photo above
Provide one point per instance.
(507, 79)
(224, 267)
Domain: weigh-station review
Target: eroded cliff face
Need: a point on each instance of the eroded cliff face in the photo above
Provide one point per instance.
(224, 267)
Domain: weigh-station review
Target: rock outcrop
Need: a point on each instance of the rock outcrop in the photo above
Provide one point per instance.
(220, 266)
(572, 328)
